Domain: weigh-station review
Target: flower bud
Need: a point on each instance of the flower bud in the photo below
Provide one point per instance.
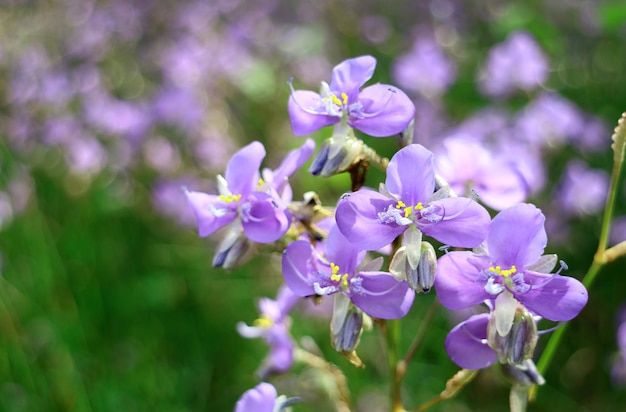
(233, 250)
(519, 343)
(524, 374)
(346, 324)
(337, 154)
(424, 277)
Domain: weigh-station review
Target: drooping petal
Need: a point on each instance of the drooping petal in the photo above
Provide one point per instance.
(305, 114)
(456, 221)
(263, 220)
(342, 252)
(357, 219)
(349, 75)
(385, 111)
(554, 297)
(465, 343)
(380, 295)
(517, 236)
(297, 264)
(457, 281)
(291, 163)
(242, 171)
(211, 214)
(410, 174)
(261, 398)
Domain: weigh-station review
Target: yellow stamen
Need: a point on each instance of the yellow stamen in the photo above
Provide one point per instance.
(335, 276)
(263, 322)
(506, 272)
(345, 98)
(230, 198)
(344, 280)
(335, 100)
(419, 206)
(400, 204)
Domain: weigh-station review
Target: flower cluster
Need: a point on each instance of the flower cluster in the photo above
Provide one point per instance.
(332, 251)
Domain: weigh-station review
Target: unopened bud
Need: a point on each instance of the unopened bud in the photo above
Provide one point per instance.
(519, 343)
(337, 154)
(346, 324)
(524, 374)
(424, 277)
(233, 250)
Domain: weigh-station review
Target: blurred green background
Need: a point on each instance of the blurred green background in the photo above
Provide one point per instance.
(107, 297)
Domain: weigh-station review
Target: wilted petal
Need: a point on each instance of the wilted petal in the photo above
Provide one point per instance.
(263, 220)
(463, 223)
(242, 171)
(560, 299)
(386, 111)
(517, 236)
(261, 398)
(380, 295)
(465, 346)
(298, 267)
(457, 281)
(211, 214)
(410, 174)
(357, 219)
(349, 75)
(305, 115)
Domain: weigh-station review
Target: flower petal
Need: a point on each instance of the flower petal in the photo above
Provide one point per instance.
(560, 299)
(380, 295)
(457, 281)
(242, 171)
(342, 252)
(517, 236)
(263, 220)
(357, 218)
(261, 398)
(464, 343)
(280, 358)
(410, 174)
(204, 207)
(298, 267)
(292, 162)
(305, 114)
(463, 223)
(349, 75)
(385, 111)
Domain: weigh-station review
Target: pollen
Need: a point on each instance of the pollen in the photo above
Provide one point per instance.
(263, 322)
(504, 272)
(344, 97)
(335, 100)
(335, 276)
(230, 198)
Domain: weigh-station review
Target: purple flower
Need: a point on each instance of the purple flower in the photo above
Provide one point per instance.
(583, 190)
(466, 163)
(518, 63)
(261, 398)
(371, 220)
(513, 264)
(425, 69)
(378, 110)
(376, 293)
(273, 326)
(262, 218)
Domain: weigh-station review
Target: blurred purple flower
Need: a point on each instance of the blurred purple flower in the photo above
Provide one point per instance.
(549, 119)
(618, 370)
(376, 293)
(378, 110)
(273, 326)
(582, 190)
(261, 398)
(409, 198)
(466, 164)
(517, 63)
(425, 69)
(514, 245)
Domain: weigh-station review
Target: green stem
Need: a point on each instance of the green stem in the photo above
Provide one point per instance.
(600, 257)
(391, 330)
